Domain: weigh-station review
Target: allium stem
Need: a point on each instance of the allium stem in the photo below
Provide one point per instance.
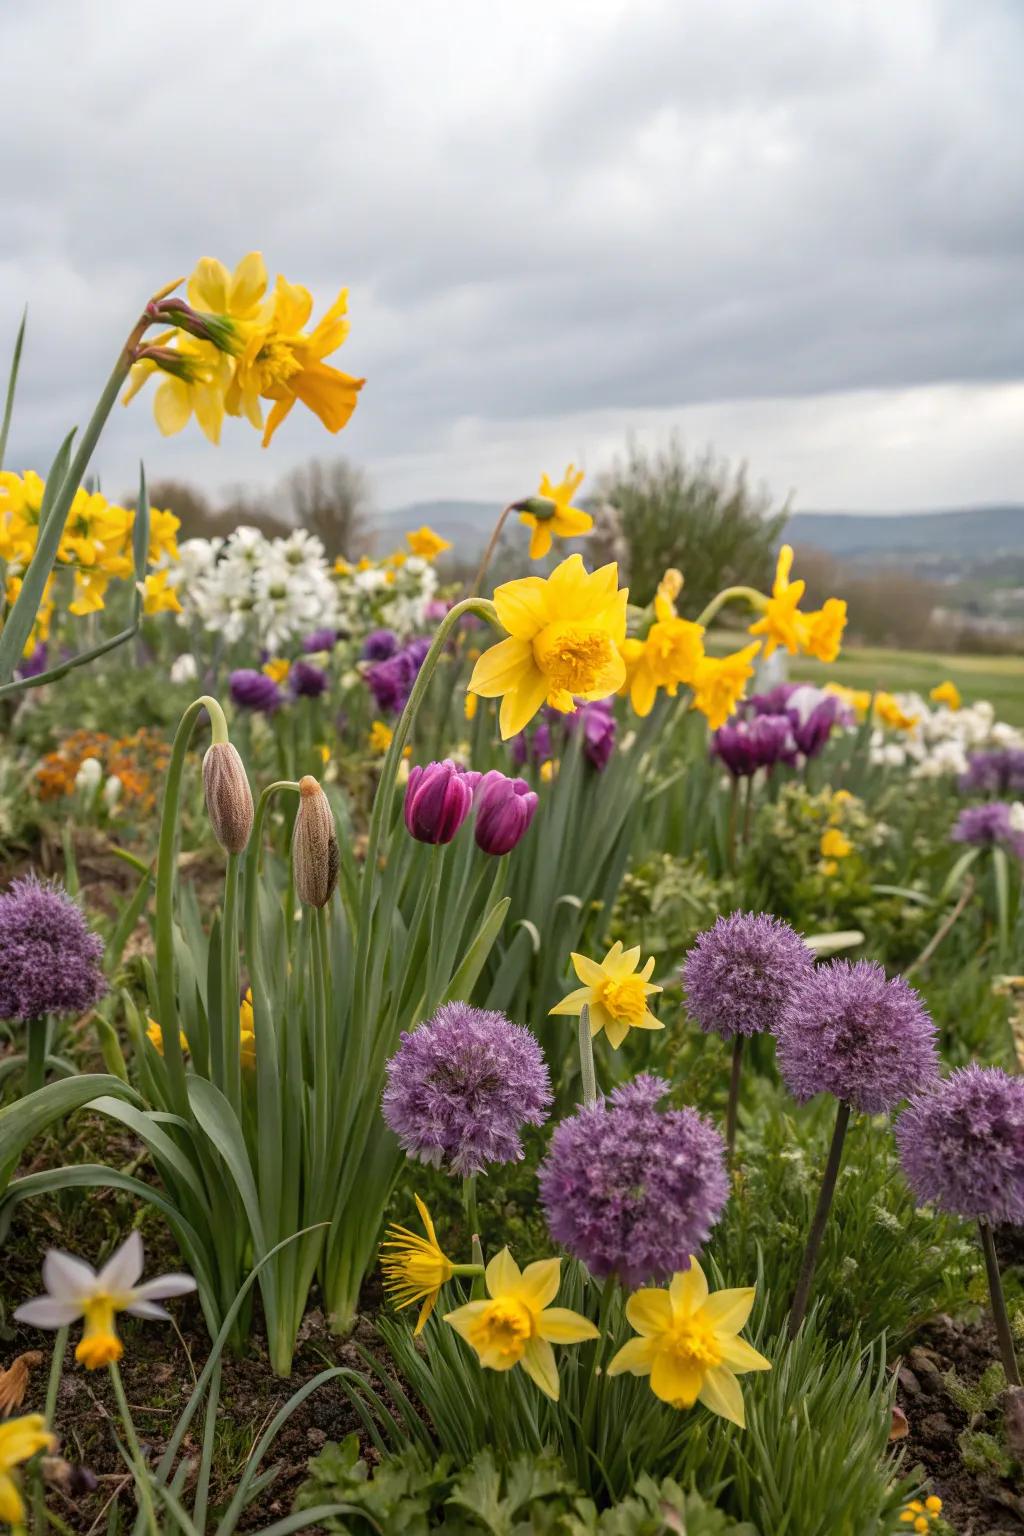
(37, 1039)
(1000, 1315)
(828, 1189)
(469, 1206)
(588, 1075)
(732, 1109)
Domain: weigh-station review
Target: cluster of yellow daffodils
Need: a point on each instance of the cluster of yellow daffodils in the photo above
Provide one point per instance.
(887, 708)
(20, 1440)
(921, 1514)
(550, 513)
(615, 991)
(688, 1344)
(234, 347)
(95, 548)
(75, 1290)
(517, 1324)
(782, 624)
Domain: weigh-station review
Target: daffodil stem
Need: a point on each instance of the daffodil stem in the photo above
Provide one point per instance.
(492, 545)
(730, 837)
(590, 1402)
(60, 1345)
(145, 1492)
(828, 1188)
(588, 1075)
(732, 1108)
(1004, 1333)
(751, 595)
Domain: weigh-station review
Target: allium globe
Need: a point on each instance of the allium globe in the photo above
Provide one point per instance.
(850, 1031)
(962, 1144)
(254, 690)
(462, 1086)
(633, 1190)
(49, 958)
(740, 974)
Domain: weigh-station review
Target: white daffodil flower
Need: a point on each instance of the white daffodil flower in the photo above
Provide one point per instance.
(74, 1290)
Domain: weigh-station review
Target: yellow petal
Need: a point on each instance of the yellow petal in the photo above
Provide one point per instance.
(12, 1505)
(428, 1225)
(727, 1311)
(563, 1326)
(649, 1311)
(502, 668)
(721, 1393)
(689, 1290)
(519, 707)
(538, 1361)
(463, 1318)
(571, 1004)
(739, 1356)
(522, 606)
(673, 1382)
(248, 284)
(540, 541)
(278, 411)
(643, 692)
(615, 1032)
(208, 286)
(588, 971)
(636, 1356)
(171, 406)
(502, 1274)
(539, 1283)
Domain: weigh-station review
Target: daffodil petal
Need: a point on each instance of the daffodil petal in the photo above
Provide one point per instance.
(463, 1318)
(538, 1361)
(503, 667)
(563, 1326)
(539, 1283)
(522, 606)
(519, 707)
(649, 1311)
(635, 1356)
(572, 1003)
(689, 1289)
(502, 1274)
(738, 1355)
(673, 1382)
(721, 1393)
(727, 1311)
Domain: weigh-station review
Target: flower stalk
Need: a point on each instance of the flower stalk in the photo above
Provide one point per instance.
(828, 1187)
(1004, 1332)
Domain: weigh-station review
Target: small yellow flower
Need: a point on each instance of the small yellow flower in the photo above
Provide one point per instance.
(325, 753)
(823, 630)
(20, 1439)
(834, 844)
(891, 713)
(426, 543)
(157, 596)
(471, 706)
(921, 1517)
(782, 622)
(548, 770)
(947, 693)
(277, 668)
(416, 1268)
(381, 737)
(615, 991)
(518, 1326)
(689, 1344)
(721, 682)
(551, 515)
(857, 699)
(155, 1036)
(564, 635)
(247, 1031)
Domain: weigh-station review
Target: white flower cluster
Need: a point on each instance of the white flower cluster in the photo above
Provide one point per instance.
(391, 594)
(939, 742)
(249, 587)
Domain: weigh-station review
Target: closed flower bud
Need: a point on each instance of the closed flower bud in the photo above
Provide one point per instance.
(315, 856)
(438, 800)
(504, 809)
(228, 796)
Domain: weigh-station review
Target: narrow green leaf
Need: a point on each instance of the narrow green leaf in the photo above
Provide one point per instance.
(465, 979)
(12, 384)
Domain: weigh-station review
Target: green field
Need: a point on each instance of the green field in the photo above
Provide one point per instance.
(1000, 679)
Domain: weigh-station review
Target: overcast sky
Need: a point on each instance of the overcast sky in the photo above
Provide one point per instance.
(790, 228)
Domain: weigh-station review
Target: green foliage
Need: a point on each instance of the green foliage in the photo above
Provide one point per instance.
(700, 516)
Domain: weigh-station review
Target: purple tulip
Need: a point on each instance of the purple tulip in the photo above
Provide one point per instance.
(254, 690)
(598, 722)
(391, 681)
(813, 714)
(774, 702)
(504, 809)
(747, 745)
(308, 681)
(435, 610)
(438, 799)
(380, 645)
(320, 640)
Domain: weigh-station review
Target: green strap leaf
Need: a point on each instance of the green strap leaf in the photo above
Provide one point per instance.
(12, 384)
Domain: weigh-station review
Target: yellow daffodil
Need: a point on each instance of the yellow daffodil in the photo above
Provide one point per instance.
(21, 501)
(518, 1326)
(247, 1032)
(668, 656)
(381, 737)
(282, 362)
(471, 705)
(823, 630)
(564, 635)
(947, 693)
(615, 991)
(89, 592)
(74, 1289)
(549, 770)
(277, 668)
(20, 1439)
(891, 713)
(158, 596)
(155, 1036)
(237, 296)
(163, 535)
(415, 1268)
(721, 682)
(194, 377)
(551, 515)
(782, 622)
(834, 844)
(670, 586)
(857, 699)
(425, 543)
(689, 1344)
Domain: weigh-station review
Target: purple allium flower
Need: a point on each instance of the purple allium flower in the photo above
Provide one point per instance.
(320, 640)
(998, 772)
(744, 746)
(850, 1031)
(254, 690)
(307, 681)
(987, 825)
(740, 974)
(504, 810)
(438, 800)
(391, 681)
(49, 958)
(598, 722)
(962, 1144)
(380, 645)
(462, 1086)
(632, 1190)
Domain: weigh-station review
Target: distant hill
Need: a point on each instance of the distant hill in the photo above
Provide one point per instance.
(974, 532)
(467, 524)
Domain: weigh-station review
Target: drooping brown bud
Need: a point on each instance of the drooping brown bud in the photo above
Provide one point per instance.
(228, 796)
(315, 856)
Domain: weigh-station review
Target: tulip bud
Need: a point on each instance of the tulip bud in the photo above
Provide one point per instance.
(438, 800)
(228, 796)
(315, 856)
(504, 809)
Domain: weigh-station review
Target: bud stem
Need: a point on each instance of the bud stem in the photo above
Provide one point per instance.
(756, 599)
(491, 546)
